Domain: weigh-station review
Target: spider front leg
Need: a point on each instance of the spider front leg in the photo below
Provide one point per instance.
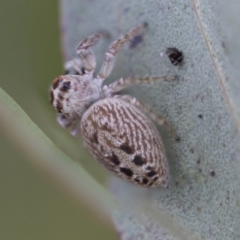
(148, 111)
(109, 60)
(85, 54)
(123, 83)
(71, 125)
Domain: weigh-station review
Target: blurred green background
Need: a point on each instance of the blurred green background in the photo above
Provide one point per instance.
(30, 58)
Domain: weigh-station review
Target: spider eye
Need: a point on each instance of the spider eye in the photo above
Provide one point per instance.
(66, 86)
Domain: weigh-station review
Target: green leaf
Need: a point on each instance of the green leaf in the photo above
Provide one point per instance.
(202, 200)
(47, 158)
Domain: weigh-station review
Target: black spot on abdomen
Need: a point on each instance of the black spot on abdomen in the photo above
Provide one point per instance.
(126, 149)
(137, 180)
(151, 174)
(114, 159)
(144, 181)
(128, 172)
(138, 160)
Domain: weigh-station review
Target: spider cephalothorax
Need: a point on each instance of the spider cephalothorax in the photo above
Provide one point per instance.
(72, 95)
(115, 128)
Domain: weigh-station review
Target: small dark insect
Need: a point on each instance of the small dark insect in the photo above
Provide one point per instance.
(174, 55)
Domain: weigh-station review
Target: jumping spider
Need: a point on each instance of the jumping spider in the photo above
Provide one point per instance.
(115, 128)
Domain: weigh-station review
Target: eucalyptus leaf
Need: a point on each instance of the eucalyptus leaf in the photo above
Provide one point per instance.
(67, 175)
(202, 200)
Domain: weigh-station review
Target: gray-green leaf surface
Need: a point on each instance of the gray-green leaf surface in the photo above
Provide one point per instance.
(202, 105)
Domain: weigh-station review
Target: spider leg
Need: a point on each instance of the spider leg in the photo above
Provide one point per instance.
(85, 54)
(109, 60)
(149, 112)
(71, 125)
(123, 83)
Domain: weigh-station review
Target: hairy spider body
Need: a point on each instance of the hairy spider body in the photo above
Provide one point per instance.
(115, 128)
(125, 141)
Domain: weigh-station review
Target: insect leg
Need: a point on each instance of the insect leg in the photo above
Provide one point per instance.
(123, 83)
(85, 54)
(109, 60)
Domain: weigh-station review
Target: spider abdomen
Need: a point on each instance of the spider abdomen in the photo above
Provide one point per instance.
(123, 139)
